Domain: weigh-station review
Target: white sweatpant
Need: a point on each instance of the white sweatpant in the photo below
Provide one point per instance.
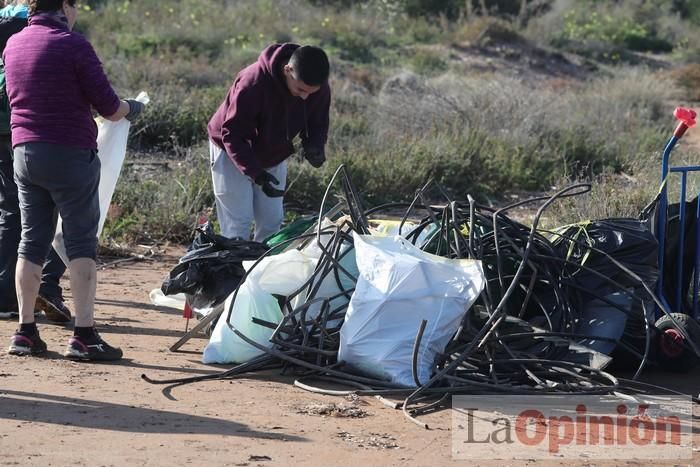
(239, 200)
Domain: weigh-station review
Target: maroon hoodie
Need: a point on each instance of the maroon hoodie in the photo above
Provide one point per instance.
(259, 118)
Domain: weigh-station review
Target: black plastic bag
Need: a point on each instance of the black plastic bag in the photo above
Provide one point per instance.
(609, 300)
(628, 241)
(211, 269)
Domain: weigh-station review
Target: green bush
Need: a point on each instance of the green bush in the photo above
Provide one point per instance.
(428, 62)
(353, 46)
(176, 116)
(689, 9)
(584, 26)
(449, 8)
(414, 8)
(608, 30)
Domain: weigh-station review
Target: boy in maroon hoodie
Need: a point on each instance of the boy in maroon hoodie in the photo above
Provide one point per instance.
(283, 94)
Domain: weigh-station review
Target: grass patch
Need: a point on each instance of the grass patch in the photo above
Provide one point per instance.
(160, 199)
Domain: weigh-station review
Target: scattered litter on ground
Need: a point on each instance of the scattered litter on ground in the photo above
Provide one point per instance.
(371, 440)
(333, 410)
(356, 400)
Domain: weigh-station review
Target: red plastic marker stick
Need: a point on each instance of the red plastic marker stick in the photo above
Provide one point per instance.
(187, 311)
(687, 120)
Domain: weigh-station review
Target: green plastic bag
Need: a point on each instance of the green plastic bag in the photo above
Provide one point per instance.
(292, 230)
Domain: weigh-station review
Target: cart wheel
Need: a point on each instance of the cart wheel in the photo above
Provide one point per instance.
(673, 351)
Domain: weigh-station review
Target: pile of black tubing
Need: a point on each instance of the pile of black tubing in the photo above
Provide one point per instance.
(525, 334)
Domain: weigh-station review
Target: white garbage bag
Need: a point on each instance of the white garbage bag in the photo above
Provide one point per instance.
(280, 274)
(400, 286)
(176, 301)
(111, 149)
(330, 285)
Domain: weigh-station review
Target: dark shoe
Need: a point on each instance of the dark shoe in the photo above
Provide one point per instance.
(26, 345)
(54, 308)
(95, 351)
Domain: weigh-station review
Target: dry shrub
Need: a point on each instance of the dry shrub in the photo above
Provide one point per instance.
(688, 77)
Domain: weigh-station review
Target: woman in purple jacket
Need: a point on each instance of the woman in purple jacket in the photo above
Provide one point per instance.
(54, 80)
(283, 94)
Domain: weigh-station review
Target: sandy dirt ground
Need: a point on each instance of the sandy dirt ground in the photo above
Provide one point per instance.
(57, 412)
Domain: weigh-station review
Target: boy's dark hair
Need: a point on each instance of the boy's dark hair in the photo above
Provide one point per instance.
(310, 65)
(39, 6)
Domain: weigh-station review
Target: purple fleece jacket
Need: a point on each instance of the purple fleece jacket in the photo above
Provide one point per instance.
(259, 118)
(53, 78)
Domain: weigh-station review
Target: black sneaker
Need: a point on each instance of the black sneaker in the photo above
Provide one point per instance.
(26, 345)
(95, 351)
(54, 308)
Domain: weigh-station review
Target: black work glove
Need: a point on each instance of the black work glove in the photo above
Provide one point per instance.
(135, 109)
(266, 180)
(314, 155)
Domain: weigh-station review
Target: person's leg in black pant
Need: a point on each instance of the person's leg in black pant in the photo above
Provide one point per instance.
(50, 298)
(50, 295)
(50, 276)
(10, 231)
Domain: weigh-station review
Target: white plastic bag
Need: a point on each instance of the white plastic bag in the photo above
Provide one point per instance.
(280, 274)
(176, 301)
(329, 286)
(399, 286)
(111, 149)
